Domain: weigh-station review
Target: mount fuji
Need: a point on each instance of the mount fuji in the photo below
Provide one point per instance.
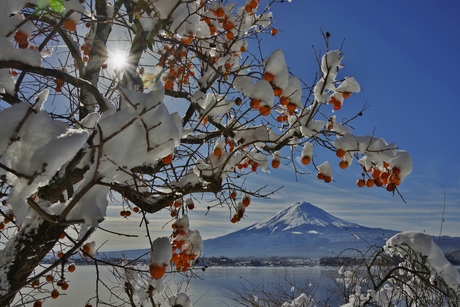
(299, 230)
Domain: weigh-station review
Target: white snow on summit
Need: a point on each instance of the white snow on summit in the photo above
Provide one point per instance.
(300, 214)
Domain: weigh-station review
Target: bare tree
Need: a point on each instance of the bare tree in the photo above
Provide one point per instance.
(156, 100)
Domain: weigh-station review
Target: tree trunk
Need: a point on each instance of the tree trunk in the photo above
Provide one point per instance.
(23, 254)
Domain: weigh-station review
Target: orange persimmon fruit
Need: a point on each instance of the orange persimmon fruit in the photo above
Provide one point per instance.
(340, 153)
(157, 271)
(70, 25)
(306, 160)
(276, 163)
(265, 110)
(343, 164)
(55, 294)
(268, 76)
(255, 103)
(168, 159)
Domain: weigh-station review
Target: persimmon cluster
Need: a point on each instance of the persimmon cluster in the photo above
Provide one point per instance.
(387, 177)
(177, 69)
(246, 163)
(60, 282)
(337, 99)
(241, 208)
(182, 257)
(177, 205)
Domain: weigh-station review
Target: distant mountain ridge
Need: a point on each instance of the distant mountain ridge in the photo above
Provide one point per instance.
(301, 230)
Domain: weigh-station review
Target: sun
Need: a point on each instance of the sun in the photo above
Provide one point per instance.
(118, 59)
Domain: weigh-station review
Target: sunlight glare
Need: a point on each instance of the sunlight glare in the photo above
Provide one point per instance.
(118, 59)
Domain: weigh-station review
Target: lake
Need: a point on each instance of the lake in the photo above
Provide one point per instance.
(209, 288)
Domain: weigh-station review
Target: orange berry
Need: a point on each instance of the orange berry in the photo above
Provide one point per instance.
(306, 160)
(55, 294)
(168, 159)
(274, 31)
(217, 151)
(136, 209)
(228, 25)
(233, 194)
(190, 206)
(86, 248)
(284, 100)
(346, 94)
(268, 76)
(394, 179)
(49, 278)
(229, 35)
(265, 110)
(378, 182)
(385, 164)
(291, 107)
(212, 29)
(169, 85)
(127, 213)
(35, 283)
(327, 179)
(254, 103)
(396, 170)
(337, 104)
(62, 236)
(65, 285)
(187, 39)
(60, 254)
(343, 164)
(391, 187)
(21, 38)
(243, 49)
(360, 183)
(24, 45)
(276, 163)
(248, 8)
(70, 25)
(246, 201)
(320, 176)
(376, 173)
(340, 153)
(253, 4)
(384, 177)
(38, 303)
(71, 268)
(220, 12)
(173, 213)
(370, 183)
(279, 118)
(2, 225)
(157, 271)
(277, 91)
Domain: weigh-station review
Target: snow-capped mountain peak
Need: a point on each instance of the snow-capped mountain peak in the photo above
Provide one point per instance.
(299, 215)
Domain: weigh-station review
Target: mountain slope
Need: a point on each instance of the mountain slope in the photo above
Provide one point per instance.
(299, 230)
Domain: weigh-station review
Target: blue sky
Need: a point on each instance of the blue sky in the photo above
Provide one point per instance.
(404, 54)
